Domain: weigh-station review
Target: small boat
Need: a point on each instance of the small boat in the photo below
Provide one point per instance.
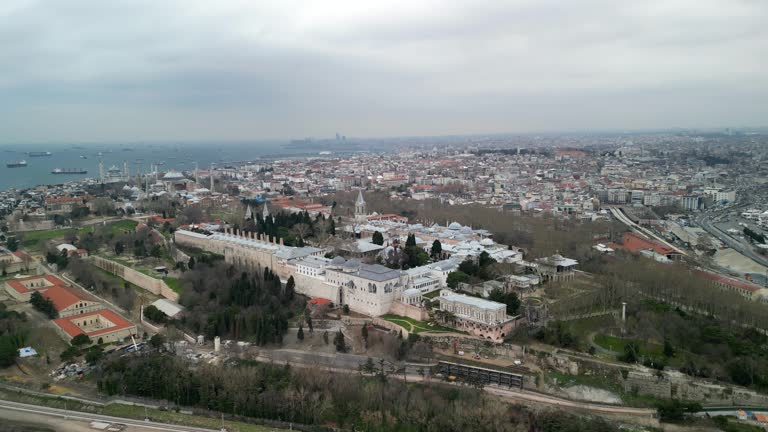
(16, 164)
(83, 157)
(39, 154)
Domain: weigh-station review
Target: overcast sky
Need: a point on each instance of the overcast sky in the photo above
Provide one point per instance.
(106, 70)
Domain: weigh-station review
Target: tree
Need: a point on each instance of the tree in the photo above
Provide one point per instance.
(345, 309)
(300, 333)
(332, 227)
(12, 244)
(94, 354)
(156, 341)
(436, 250)
(455, 278)
(44, 305)
(339, 342)
(156, 251)
(119, 248)
(669, 350)
(468, 267)
(410, 241)
(8, 351)
(155, 315)
(377, 238)
(80, 340)
(325, 337)
(631, 353)
(364, 333)
(290, 288)
(510, 299)
(69, 353)
(191, 263)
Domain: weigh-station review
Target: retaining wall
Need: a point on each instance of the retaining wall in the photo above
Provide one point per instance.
(153, 285)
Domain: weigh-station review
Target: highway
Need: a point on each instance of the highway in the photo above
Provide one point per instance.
(705, 222)
(619, 214)
(36, 410)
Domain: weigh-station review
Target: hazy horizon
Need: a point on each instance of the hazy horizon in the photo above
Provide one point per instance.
(240, 71)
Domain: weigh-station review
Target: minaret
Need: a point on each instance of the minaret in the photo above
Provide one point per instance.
(361, 215)
(101, 170)
(211, 173)
(126, 174)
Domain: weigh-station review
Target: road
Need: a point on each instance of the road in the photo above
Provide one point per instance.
(619, 214)
(705, 222)
(35, 410)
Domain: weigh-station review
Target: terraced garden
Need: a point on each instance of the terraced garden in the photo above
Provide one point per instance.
(414, 326)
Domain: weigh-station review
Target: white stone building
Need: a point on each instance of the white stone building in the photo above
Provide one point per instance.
(484, 318)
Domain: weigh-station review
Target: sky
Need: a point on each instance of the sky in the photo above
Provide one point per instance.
(176, 70)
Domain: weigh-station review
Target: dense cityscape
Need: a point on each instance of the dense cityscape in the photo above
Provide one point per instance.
(599, 274)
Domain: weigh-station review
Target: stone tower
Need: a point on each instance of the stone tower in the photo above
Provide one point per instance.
(361, 214)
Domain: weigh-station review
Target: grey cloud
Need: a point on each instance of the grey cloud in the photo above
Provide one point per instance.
(90, 70)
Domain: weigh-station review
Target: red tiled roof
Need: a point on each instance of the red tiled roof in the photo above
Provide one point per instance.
(725, 280)
(72, 330)
(320, 301)
(64, 297)
(21, 289)
(634, 243)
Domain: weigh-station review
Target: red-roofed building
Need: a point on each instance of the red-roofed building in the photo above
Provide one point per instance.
(67, 300)
(743, 288)
(22, 288)
(70, 301)
(102, 324)
(61, 205)
(13, 262)
(635, 243)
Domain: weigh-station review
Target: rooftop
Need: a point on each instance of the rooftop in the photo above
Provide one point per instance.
(470, 300)
(73, 330)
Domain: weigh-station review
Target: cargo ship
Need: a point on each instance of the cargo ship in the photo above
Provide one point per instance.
(39, 154)
(69, 171)
(16, 164)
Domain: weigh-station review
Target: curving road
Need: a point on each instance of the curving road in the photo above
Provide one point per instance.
(36, 410)
(706, 223)
(618, 213)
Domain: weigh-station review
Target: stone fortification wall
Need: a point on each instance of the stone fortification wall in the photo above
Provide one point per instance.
(153, 285)
(410, 311)
(390, 326)
(314, 287)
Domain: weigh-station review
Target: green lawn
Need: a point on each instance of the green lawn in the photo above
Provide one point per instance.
(121, 226)
(31, 238)
(173, 284)
(432, 294)
(617, 344)
(414, 326)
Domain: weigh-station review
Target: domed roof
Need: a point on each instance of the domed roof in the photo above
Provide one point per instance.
(352, 264)
(454, 226)
(337, 261)
(486, 242)
(173, 175)
(466, 230)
